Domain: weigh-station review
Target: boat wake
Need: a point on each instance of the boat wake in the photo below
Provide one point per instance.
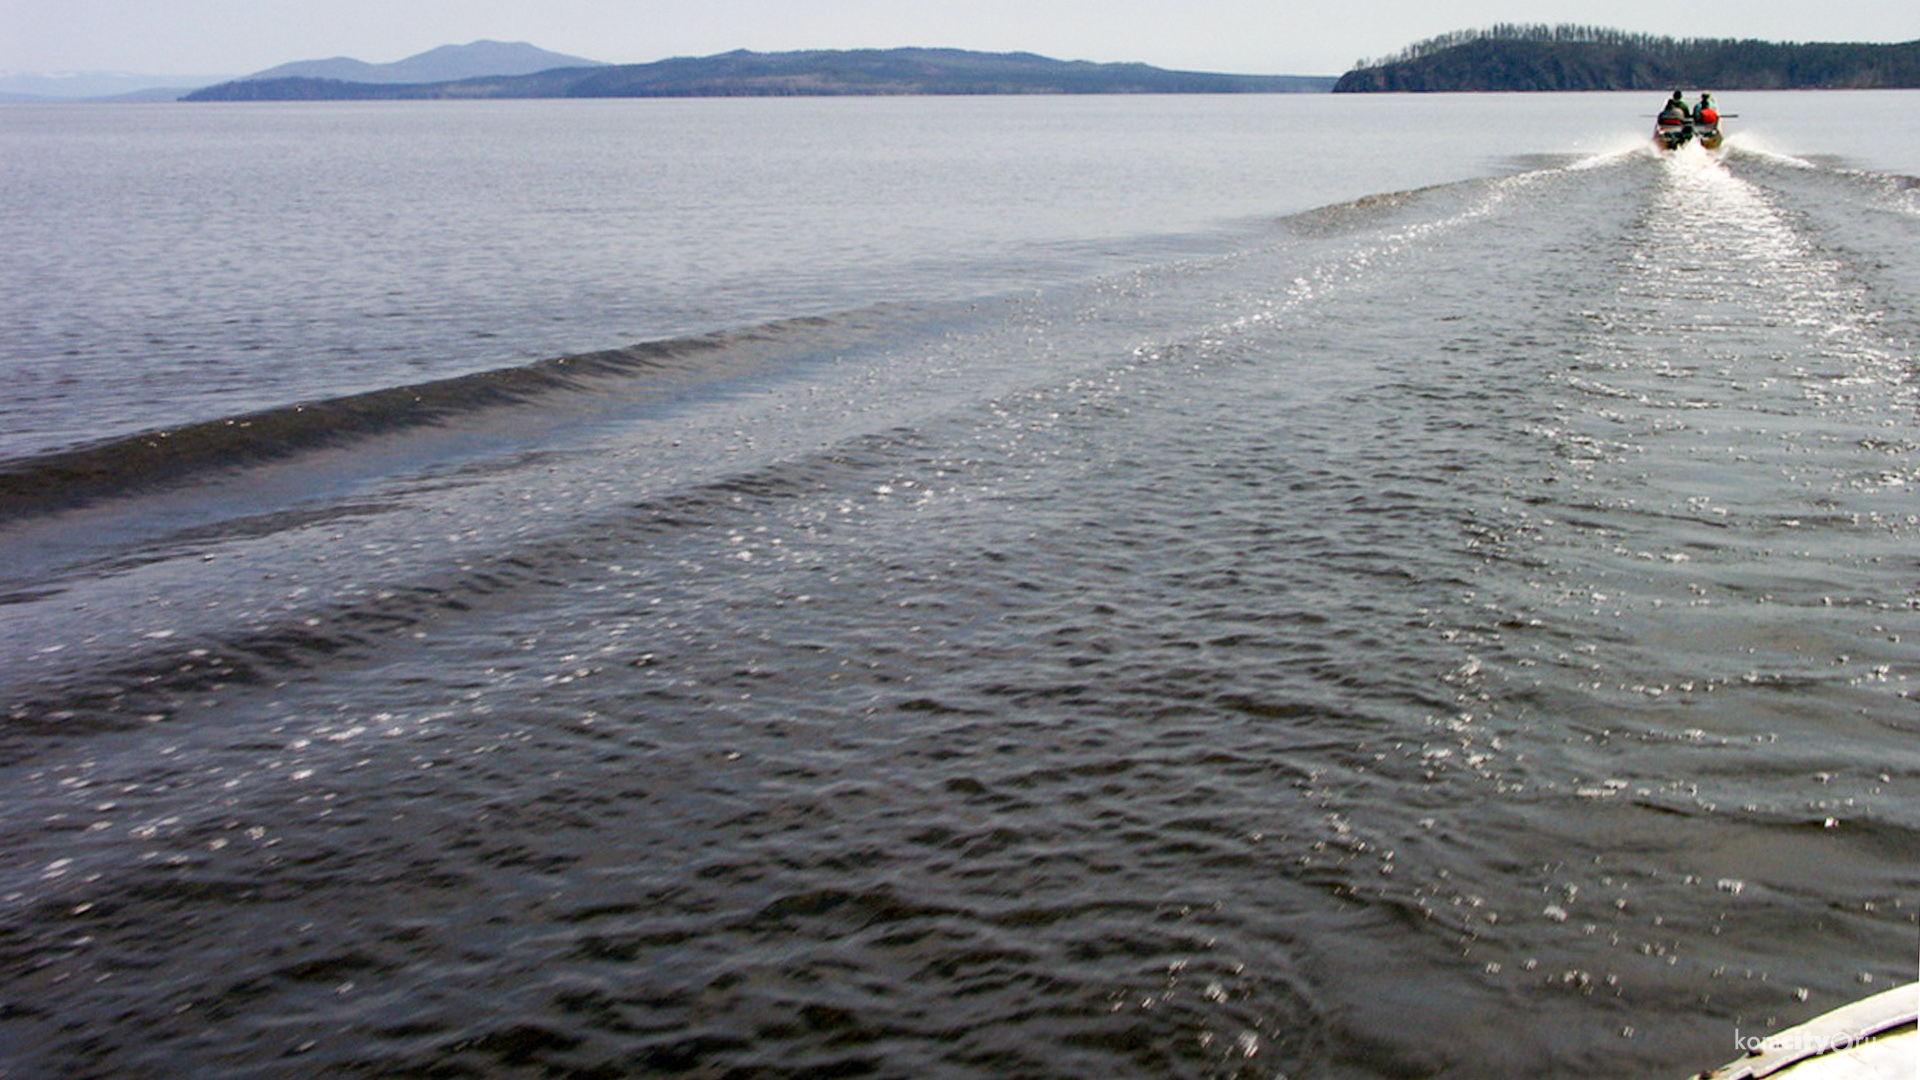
(1466, 610)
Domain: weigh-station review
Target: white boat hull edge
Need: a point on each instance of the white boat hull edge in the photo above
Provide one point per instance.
(1871, 1039)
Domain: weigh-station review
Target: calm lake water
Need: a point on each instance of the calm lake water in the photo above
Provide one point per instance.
(1294, 586)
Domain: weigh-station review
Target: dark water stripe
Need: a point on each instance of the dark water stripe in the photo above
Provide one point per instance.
(155, 459)
(133, 690)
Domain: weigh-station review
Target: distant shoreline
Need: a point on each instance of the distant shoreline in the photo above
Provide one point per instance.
(1503, 59)
(1574, 58)
(855, 73)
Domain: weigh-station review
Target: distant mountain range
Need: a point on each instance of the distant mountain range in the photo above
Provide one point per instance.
(1509, 58)
(813, 73)
(448, 62)
(444, 64)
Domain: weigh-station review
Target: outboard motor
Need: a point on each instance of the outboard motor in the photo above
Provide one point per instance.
(1672, 131)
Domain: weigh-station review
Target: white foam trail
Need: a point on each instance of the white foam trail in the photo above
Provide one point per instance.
(1605, 158)
(1721, 240)
(1749, 143)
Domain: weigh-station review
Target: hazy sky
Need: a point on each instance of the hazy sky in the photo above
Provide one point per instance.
(200, 37)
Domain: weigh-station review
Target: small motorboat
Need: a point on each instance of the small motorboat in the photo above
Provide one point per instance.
(1675, 127)
(1871, 1039)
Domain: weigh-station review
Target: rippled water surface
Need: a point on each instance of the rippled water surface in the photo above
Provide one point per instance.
(1420, 625)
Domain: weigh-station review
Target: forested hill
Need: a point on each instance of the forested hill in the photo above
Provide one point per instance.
(1585, 58)
(817, 73)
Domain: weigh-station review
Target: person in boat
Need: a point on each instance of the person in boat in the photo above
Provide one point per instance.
(1705, 113)
(1673, 125)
